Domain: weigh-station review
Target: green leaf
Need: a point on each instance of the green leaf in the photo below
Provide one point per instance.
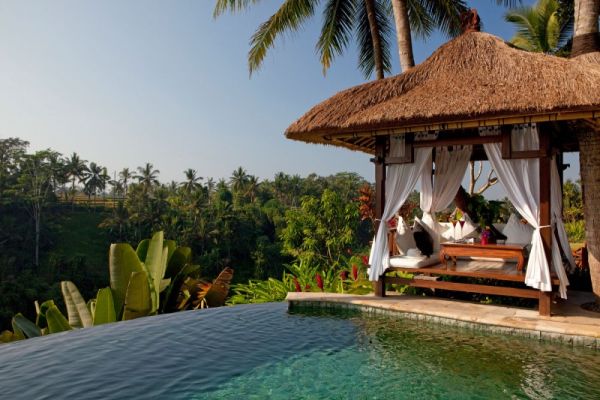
(25, 326)
(105, 307)
(164, 284)
(181, 256)
(7, 337)
(137, 300)
(156, 264)
(142, 249)
(123, 261)
(40, 319)
(171, 245)
(56, 321)
(172, 292)
(79, 315)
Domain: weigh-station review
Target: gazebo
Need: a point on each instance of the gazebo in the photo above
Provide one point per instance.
(475, 98)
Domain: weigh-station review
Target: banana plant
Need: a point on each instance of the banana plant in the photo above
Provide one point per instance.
(197, 293)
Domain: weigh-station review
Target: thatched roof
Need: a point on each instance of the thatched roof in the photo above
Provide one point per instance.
(475, 79)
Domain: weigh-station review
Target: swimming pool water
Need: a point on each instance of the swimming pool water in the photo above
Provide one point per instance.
(262, 351)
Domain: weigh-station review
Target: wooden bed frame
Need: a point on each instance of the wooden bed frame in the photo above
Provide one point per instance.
(507, 273)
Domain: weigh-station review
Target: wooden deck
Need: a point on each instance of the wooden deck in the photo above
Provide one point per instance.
(483, 269)
(504, 271)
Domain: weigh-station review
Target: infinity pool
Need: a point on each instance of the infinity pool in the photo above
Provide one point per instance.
(264, 352)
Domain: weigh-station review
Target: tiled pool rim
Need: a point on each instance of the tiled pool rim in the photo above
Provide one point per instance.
(569, 326)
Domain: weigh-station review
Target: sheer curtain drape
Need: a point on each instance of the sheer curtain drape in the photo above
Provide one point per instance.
(438, 191)
(400, 182)
(520, 178)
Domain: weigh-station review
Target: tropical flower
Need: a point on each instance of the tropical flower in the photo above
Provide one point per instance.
(365, 260)
(297, 284)
(319, 281)
(344, 275)
(354, 272)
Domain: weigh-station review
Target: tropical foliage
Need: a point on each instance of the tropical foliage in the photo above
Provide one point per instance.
(540, 28)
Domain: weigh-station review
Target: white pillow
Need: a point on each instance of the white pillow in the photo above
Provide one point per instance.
(454, 233)
(404, 237)
(517, 232)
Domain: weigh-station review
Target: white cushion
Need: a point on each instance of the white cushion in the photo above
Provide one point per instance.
(414, 262)
(404, 237)
(453, 233)
(517, 232)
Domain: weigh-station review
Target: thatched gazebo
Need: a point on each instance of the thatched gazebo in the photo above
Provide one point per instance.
(472, 83)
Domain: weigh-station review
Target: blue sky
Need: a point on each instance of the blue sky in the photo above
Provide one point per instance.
(128, 82)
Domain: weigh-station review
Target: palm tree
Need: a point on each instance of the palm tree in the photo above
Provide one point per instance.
(587, 40)
(367, 19)
(239, 180)
(539, 28)
(95, 179)
(147, 176)
(192, 181)
(252, 187)
(124, 177)
(75, 168)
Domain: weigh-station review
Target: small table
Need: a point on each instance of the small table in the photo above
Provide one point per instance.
(503, 251)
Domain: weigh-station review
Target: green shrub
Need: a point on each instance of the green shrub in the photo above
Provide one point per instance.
(576, 231)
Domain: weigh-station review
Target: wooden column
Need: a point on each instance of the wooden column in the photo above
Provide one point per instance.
(545, 301)
(381, 143)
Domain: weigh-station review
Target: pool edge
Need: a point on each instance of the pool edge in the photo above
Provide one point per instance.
(571, 330)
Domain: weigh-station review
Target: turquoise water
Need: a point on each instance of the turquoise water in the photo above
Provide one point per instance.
(264, 352)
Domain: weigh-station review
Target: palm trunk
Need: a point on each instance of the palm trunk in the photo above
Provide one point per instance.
(405, 50)
(586, 38)
(370, 6)
(589, 160)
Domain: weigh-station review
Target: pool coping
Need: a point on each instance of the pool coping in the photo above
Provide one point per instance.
(569, 323)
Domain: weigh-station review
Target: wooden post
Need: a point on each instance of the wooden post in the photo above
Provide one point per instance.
(545, 301)
(381, 143)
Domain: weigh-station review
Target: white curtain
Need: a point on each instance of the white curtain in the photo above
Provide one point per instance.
(438, 191)
(520, 178)
(559, 226)
(400, 182)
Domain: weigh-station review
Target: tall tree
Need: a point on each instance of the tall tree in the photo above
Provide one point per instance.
(192, 181)
(239, 180)
(539, 28)
(125, 176)
(147, 177)
(587, 40)
(75, 168)
(12, 151)
(35, 188)
(95, 179)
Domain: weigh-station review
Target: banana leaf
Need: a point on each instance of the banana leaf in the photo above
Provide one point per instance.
(41, 309)
(156, 264)
(79, 314)
(25, 327)
(7, 337)
(123, 261)
(172, 293)
(56, 321)
(91, 305)
(137, 300)
(214, 294)
(171, 245)
(181, 256)
(142, 249)
(105, 307)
